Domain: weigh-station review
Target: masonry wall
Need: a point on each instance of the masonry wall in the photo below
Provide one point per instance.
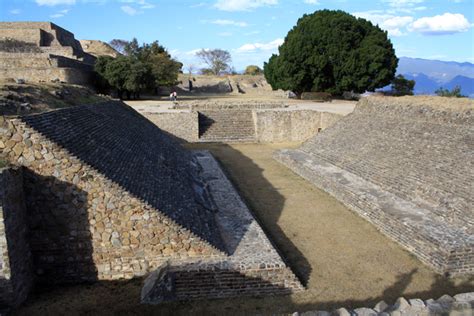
(290, 125)
(405, 165)
(46, 74)
(34, 36)
(184, 125)
(87, 218)
(16, 275)
(271, 125)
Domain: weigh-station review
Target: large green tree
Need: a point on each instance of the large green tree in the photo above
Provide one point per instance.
(141, 67)
(332, 51)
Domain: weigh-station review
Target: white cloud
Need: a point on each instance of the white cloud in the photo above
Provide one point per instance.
(143, 4)
(447, 23)
(403, 3)
(229, 22)
(15, 11)
(60, 14)
(393, 24)
(252, 33)
(252, 47)
(314, 2)
(129, 10)
(200, 4)
(224, 34)
(55, 2)
(242, 5)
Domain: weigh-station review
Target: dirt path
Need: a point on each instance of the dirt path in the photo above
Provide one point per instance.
(343, 259)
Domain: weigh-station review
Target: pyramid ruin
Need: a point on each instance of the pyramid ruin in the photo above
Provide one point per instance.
(42, 52)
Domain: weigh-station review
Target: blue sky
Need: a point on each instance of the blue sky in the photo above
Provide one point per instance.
(252, 29)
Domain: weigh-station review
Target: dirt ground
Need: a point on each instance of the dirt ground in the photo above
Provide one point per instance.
(343, 260)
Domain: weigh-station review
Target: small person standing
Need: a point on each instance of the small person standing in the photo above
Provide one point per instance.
(175, 96)
(171, 96)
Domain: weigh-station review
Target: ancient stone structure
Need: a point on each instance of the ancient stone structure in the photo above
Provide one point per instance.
(404, 164)
(263, 122)
(110, 196)
(60, 56)
(16, 272)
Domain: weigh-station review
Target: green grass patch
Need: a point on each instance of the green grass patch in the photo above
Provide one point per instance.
(3, 163)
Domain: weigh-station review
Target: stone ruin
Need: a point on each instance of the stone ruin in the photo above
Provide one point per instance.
(101, 193)
(58, 55)
(406, 165)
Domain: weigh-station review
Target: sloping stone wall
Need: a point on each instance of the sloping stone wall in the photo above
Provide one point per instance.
(108, 194)
(404, 164)
(16, 274)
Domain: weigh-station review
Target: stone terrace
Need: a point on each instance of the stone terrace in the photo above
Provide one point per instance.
(405, 165)
(59, 56)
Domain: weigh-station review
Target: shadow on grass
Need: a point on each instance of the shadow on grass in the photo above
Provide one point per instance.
(123, 298)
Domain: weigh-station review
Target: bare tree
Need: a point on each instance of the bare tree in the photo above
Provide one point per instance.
(190, 69)
(217, 60)
(119, 45)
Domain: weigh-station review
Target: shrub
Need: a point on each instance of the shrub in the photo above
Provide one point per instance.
(402, 86)
(253, 70)
(455, 92)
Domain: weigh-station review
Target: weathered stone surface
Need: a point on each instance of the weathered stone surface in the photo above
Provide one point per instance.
(364, 311)
(110, 196)
(380, 306)
(58, 55)
(15, 257)
(401, 164)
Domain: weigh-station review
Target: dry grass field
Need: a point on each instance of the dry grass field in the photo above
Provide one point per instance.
(343, 260)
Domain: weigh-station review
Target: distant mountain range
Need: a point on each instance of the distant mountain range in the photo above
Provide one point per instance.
(430, 75)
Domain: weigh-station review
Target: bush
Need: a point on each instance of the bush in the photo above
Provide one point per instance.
(402, 86)
(142, 67)
(253, 70)
(455, 92)
(332, 51)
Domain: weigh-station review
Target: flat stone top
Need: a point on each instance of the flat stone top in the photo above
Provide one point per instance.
(132, 152)
(433, 102)
(247, 245)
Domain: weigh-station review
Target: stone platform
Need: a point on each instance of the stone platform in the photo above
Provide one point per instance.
(252, 268)
(405, 165)
(57, 55)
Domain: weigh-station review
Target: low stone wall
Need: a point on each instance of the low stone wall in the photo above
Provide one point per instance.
(461, 304)
(274, 126)
(16, 277)
(271, 125)
(184, 125)
(69, 75)
(34, 36)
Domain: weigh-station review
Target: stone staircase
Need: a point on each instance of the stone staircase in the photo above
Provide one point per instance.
(226, 126)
